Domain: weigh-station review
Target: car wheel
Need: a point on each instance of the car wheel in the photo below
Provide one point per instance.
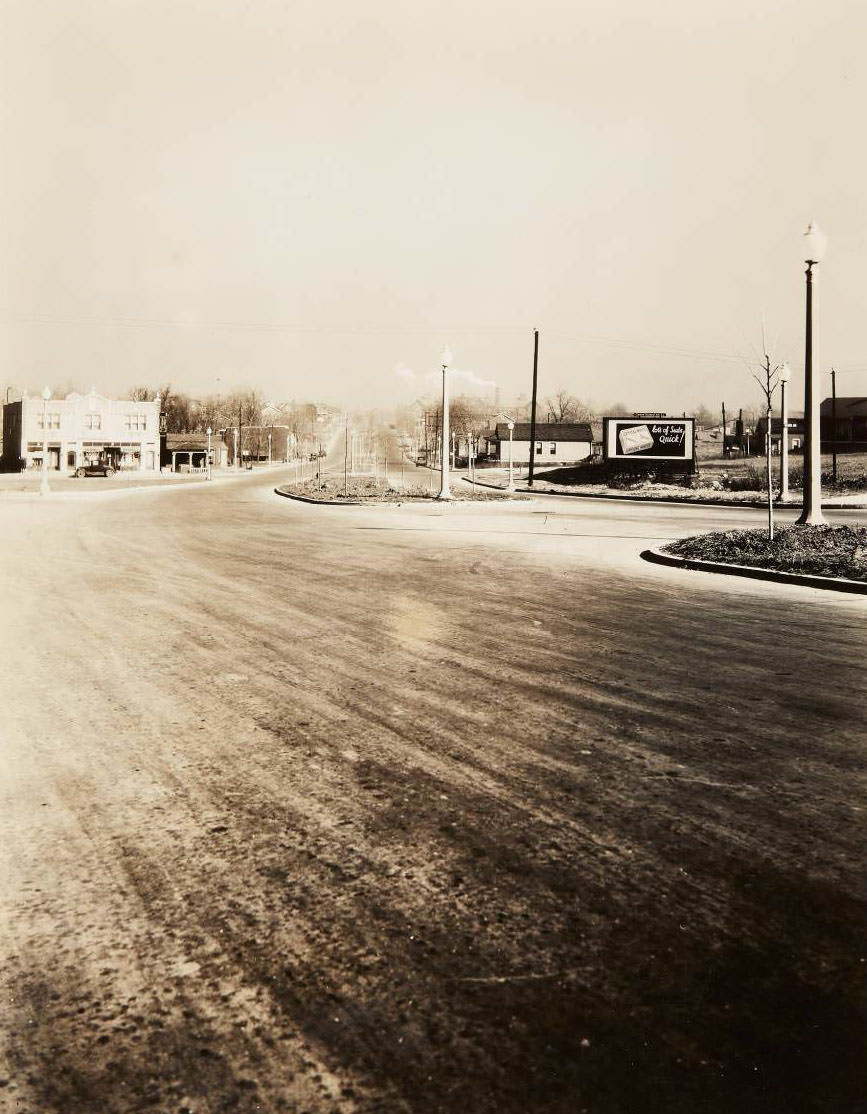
(79, 472)
(109, 471)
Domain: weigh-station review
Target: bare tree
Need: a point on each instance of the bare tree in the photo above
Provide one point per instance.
(241, 410)
(565, 407)
(142, 394)
(704, 419)
(767, 378)
(211, 413)
(469, 416)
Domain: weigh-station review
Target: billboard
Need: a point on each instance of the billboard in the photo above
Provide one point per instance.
(650, 439)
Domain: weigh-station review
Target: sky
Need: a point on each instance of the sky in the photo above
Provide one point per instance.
(314, 198)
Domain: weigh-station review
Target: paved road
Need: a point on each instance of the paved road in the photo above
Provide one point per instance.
(417, 809)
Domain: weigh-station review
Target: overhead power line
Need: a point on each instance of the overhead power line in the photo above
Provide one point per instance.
(379, 330)
(277, 327)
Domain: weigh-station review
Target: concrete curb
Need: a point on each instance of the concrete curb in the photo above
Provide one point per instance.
(632, 498)
(400, 502)
(317, 502)
(502, 490)
(752, 504)
(804, 580)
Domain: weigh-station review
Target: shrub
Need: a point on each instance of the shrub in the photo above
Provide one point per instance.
(753, 479)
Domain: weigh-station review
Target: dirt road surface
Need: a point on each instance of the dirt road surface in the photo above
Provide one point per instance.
(421, 809)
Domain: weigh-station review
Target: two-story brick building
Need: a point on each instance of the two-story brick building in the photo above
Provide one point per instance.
(77, 429)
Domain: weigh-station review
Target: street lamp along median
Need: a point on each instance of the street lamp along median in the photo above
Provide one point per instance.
(43, 485)
(784, 377)
(811, 515)
(446, 361)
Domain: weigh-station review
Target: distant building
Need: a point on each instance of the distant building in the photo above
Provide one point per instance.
(556, 442)
(188, 452)
(847, 432)
(78, 430)
(796, 435)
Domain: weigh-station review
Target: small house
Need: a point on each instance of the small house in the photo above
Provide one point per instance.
(843, 425)
(556, 443)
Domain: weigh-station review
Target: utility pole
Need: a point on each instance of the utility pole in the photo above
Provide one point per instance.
(533, 407)
(833, 425)
(811, 514)
(240, 451)
(345, 456)
(768, 388)
(724, 430)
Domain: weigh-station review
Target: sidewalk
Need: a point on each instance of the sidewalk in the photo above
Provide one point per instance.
(857, 501)
(29, 483)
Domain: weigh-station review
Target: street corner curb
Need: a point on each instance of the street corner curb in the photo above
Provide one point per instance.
(740, 505)
(666, 499)
(750, 572)
(317, 502)
(614, 496)
(521, 492)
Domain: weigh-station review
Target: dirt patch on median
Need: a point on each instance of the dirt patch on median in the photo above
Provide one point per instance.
(368, 489)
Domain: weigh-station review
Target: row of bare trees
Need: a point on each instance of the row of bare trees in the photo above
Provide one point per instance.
(290, 424)
(192, 415)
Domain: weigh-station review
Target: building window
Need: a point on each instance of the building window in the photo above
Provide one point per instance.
(135, 423)
(552, 449)
(93, 421)
(48, 421)
(538, 446)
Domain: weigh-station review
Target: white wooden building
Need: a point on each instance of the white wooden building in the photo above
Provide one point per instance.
(556, 443)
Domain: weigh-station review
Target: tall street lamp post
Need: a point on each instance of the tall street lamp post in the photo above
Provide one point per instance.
(43, 485)
(811, 515)
(511, 486)
(785, 376)
(446, 360)
(209, 452)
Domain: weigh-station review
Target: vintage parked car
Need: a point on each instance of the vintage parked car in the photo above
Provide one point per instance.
(103, 465)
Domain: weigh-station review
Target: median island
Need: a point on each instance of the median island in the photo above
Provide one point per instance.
(834, 551)
(368, 489)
